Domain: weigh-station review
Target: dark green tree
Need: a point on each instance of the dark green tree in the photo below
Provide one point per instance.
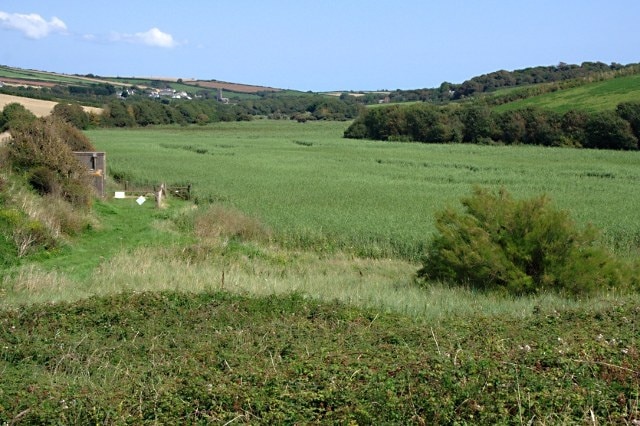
(607, 130)
(574, 124)
(15, 115)
(630, 111)
(117, 114)
(73, 114)
(478, 123)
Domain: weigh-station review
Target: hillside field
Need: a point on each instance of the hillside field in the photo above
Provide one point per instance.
(315, 189)
(592, 97)
(38, 107)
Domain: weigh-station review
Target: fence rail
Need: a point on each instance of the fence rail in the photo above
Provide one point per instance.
(179, 191)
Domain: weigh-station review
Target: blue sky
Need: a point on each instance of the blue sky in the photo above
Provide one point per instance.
(315, 45)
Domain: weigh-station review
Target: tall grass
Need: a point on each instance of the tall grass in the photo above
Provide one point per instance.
(231, 252)
(386, 285)
(316, 190)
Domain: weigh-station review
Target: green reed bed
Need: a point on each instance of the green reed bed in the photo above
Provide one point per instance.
(317, 190)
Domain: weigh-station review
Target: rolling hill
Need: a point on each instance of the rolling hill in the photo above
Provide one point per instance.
(590, 97)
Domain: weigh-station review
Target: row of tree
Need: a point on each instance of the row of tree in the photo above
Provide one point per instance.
(141, 111)
(475, 123)
(545, 78)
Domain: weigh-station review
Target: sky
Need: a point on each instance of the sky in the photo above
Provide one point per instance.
(315, 45)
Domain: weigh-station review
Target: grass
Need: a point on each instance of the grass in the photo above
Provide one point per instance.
(17, 73)
(593, 97)
(317, 190)
(216, 313)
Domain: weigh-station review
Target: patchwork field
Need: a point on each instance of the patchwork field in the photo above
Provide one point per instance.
(37, 106)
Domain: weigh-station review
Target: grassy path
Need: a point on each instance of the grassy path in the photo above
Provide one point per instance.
(124, 226)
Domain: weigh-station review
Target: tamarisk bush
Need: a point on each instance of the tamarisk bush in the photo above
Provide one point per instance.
(519, 247)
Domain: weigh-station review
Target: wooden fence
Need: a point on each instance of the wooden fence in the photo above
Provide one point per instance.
(179, 191)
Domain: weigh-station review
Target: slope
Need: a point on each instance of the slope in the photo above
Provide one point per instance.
(590, 97)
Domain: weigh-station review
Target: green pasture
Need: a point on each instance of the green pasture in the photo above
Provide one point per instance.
(598, 96)
(9, 72)
(315, 189)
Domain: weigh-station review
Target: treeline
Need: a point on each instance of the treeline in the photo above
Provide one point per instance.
(144, 112)
(94, 94)
(478, 123)
(546, 78)
(141, 110)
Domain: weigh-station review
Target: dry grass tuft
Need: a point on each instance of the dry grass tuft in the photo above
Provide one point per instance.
(219, 222)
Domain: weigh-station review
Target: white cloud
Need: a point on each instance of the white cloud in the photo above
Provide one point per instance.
(154, 37)
(32, 25)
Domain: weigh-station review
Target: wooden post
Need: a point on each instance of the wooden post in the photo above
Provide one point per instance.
(160, 195)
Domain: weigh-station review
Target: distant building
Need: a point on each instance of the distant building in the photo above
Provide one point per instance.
(169, 93)
(220, 98)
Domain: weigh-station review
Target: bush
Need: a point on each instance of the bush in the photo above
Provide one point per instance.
(69, 134)
(42, 151)
(73, 114)
(518, 247)
(607, 130)
(15, 115)
(45, 181)
(27, 234)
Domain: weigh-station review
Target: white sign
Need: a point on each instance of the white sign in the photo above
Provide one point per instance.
(119, 194)
(141, 200)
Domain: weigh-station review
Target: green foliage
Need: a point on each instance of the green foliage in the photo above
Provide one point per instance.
(27, 234)
(518, 246)
(477, 123)
(167, 358)
(15, 115)
(607, 130)
(630, 112)
(117, 114)
(368, 198)
(43, 151)
(73, 114)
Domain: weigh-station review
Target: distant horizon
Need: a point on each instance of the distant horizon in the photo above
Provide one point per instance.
(355, 45)
(193, 79)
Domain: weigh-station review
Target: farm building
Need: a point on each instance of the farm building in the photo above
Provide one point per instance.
(96, 163)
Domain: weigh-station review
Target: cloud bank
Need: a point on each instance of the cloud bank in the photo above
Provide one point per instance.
(32, 25)
(154, 37)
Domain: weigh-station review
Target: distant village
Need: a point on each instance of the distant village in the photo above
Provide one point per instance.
(171, 93)
(165, 93)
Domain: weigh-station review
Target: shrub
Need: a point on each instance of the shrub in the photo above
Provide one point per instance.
(69, 134)
(42, 151)
(44, 181)
(27, 234)
(73, 114)
(518, 247)
(607, 130)
(15, 115)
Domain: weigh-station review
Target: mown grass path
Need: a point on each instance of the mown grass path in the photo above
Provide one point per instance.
(123, 226)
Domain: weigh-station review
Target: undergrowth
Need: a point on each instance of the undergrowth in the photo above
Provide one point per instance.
(218, 358)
